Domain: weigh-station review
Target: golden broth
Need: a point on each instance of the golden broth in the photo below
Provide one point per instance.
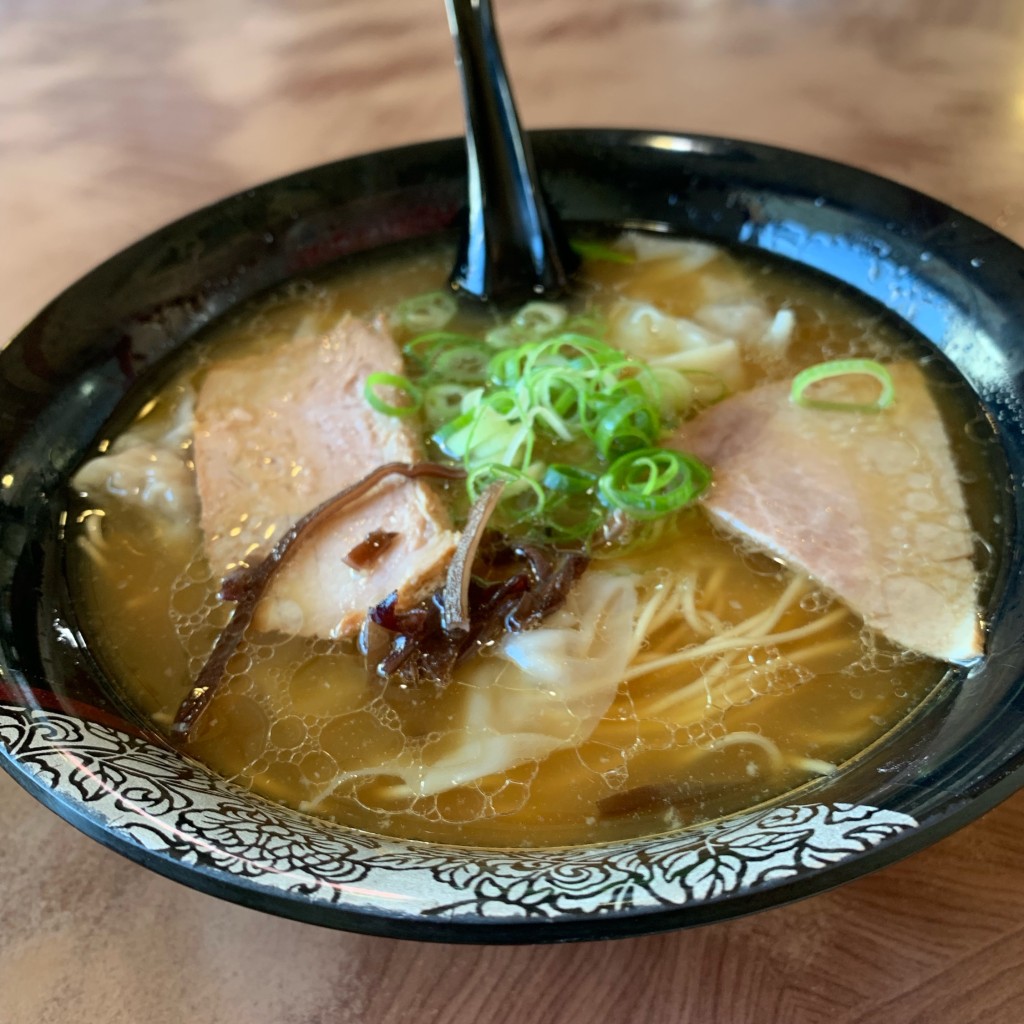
(735, 721)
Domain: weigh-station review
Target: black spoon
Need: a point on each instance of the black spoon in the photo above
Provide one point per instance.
(513, 247)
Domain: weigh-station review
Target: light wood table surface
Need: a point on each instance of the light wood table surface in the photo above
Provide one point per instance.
(118, 115)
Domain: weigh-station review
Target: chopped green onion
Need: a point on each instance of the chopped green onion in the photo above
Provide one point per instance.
(401, 384)
(521, 490)
(597, 251)
(424, 348)
(651, 482)
(503, 402)
(505, 367)
(429, 312)
(570, 521)
(538, 319)
(442, 401)
(631, 423)
(464, 364)
(842, 368)
(583, 350)
(568, 479)
(544, 387)
(481, 435)
(452, 437)
(503, 337)
(555, 398)
(472, 398)
(540, 417)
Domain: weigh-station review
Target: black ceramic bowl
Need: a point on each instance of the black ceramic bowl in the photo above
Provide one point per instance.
(67, 740)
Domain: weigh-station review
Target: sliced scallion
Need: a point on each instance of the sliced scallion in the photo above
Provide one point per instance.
(651, 482)
(464, 364)
(806, 379)
(425, 348)
(568, 423)
(429, 312)
(538, 319)
(441, 402)
(568, 479)
(404, 386)
(630, 423)
(526, 496)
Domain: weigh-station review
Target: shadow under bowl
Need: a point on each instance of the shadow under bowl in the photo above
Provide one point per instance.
(66, 738)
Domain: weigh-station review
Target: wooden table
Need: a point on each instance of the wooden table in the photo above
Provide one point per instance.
(117, 116)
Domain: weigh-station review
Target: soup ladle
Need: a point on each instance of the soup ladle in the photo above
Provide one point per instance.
(513, 247)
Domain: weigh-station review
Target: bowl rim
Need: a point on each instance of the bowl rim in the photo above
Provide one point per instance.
(621, 923)
(1004, 779)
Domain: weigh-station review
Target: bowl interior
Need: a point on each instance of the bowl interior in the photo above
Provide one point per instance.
(65, 735)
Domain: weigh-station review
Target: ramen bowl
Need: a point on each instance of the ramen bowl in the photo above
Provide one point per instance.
(68, 738)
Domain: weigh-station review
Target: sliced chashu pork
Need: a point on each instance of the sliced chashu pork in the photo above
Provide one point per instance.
(278, 433)
(868, 503)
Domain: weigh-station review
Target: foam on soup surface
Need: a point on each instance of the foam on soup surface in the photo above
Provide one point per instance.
(684, 671)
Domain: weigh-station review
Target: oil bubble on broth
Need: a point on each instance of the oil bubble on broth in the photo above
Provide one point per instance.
(676, 668)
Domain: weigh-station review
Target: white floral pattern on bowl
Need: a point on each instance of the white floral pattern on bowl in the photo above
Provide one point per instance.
(175, 810)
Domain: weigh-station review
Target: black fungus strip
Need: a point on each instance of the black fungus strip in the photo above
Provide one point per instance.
(247, 586)
(368, 552)
(455, 597)
(513, 587)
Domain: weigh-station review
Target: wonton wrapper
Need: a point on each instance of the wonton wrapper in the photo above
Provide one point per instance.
(541, 691)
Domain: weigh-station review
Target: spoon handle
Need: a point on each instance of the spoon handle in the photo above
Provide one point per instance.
(513, 247)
